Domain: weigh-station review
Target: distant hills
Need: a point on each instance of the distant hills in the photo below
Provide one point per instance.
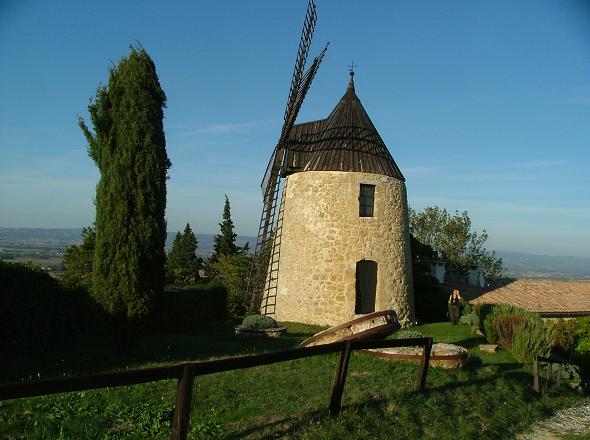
(11, 238)
(522, 265)
(205, 246)
(27, 242)
(70, 235)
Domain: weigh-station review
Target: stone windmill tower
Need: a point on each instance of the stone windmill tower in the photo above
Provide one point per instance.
(339, 246)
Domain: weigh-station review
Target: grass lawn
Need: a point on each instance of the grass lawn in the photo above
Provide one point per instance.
(490, 399)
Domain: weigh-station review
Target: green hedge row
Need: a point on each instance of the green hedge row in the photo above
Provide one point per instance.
(38, 313)
(183, 310)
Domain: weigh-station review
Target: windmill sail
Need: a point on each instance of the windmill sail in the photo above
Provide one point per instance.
(302, 51)
(263, 281)
(275, 163)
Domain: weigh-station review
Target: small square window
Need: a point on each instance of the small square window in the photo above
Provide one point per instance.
(366, 200)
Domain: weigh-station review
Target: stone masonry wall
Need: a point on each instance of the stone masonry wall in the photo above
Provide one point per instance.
(323, 237)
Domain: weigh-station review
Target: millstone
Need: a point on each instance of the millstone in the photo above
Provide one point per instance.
(448, 356)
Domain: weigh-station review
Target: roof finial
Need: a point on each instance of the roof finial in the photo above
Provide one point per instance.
(351, 71)
(351, 68)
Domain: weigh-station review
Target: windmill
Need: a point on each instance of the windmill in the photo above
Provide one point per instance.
(263, 279)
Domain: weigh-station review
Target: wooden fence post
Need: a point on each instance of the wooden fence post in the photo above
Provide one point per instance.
(536, 376)
(339, 381)
(182, 409)
(549, 377)
(424, 367)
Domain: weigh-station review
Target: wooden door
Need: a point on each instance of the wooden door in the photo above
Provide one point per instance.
(366, 286)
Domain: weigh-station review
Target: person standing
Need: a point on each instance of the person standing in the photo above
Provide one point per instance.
(455, 306)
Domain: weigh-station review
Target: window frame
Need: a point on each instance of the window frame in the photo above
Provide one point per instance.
(366, 200)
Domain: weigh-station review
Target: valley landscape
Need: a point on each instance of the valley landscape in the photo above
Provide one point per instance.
(45, 247)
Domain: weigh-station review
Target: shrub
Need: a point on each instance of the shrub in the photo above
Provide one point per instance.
(489, 331)
(500, 321)
(408, 334)
(482, 311)
(469, 319)
(258, 322)
(509, 309)
(466, 308)
(233, 270)
(505, 327)
(564, 334)
(582, 327)
(531, 338)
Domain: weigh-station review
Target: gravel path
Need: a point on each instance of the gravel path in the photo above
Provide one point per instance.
(575, 420)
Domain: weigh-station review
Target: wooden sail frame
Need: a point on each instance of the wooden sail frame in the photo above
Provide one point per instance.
(262, 284)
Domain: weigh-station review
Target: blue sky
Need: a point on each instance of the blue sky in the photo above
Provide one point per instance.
(485, 106)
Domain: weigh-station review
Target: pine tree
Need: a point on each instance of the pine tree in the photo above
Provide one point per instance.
(173, 258)
(182, 263)
(225, 241)
(129, 149)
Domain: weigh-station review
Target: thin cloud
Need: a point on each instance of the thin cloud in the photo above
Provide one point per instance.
(490, 177)
(224, 128)
(419, 170)
(538, 163)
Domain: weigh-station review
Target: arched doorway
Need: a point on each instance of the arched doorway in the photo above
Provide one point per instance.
(366, 286)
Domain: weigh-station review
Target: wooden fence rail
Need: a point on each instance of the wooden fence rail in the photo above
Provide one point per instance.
(186, 372)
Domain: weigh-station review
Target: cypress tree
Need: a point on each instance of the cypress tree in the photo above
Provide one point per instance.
(225, 241)
(129, 149)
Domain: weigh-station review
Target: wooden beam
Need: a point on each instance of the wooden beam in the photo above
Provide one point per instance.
(424, 367)
(339, 381)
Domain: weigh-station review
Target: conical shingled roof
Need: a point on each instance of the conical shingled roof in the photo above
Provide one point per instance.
(345, 141)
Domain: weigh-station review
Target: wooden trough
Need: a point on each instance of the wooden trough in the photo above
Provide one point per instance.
(375, 325)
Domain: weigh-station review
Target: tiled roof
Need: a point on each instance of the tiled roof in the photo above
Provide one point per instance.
(547, 297)
(346, 140)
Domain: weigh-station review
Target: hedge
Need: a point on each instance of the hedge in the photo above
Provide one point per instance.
(38, 314)
(183, 310)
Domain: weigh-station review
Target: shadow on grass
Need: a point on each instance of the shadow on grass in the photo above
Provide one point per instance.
(216, 340)
(285, 427)
(376, 404)
(378, 412)
(472, 342)
(511, 371)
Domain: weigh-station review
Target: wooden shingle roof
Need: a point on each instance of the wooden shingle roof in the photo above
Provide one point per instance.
(346, 140)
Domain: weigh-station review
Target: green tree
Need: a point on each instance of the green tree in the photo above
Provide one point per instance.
(78, 261)
(233, 270)
(225, 241)
(129, 149)
(182, 263)
(453, 240)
